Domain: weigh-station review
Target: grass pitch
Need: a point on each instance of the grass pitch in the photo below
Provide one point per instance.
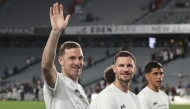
(41, 105)
(22, 105)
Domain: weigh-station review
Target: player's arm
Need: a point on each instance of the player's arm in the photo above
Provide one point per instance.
(58, 24)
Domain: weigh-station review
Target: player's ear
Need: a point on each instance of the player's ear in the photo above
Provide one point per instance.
(114, 68)
(135, 69)
(60, 59)
(147, 76)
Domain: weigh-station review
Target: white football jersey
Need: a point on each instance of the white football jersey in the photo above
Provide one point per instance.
(113, 98)
(150, 99)
(67, 94)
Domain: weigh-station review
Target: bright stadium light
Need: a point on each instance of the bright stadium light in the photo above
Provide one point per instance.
(152, 42)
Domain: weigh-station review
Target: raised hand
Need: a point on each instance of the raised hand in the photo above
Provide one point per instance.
(57, 18)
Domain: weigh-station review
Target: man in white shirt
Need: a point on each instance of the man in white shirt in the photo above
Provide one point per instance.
(117, 95)
(61, 90)
(151, 97)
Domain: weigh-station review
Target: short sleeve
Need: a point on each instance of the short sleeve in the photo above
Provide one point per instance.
(52, 91)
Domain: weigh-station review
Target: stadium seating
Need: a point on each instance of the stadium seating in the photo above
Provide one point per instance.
(36, 14)
(11, 57)
(24, 13)
(25, 75)
(167, 17)
(111, 12)
(170, 14)
(178, 65)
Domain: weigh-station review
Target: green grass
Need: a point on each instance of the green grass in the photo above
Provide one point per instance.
(22, 105)
(179, 106)
(41, 105)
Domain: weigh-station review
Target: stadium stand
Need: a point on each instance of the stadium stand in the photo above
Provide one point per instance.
(167, 17)
(12, 57)
(176, 12)
(26, 74)
(111, 12)
(24, 13)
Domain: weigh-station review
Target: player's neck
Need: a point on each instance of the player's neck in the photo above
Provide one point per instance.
(150, 86)
(122, 85)
(70, 77)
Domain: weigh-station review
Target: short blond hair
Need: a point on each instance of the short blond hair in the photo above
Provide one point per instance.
(68, 45)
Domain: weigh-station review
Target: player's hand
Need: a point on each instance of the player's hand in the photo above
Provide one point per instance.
(58, 22)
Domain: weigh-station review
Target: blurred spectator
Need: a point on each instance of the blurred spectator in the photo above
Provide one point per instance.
(96, 91)
(98, 88)
(32, 59)
(144, 84)
(180, 74)
(21, 90)
(136, 89)
(11, 72)
(163, 89)
(89, 17)
(171, 55)
(85, 64)
(167, 89)
(173, 92)
(179, 85)
(82, 17)
(188, 89)
(107, 52)
(139, 72)
(28, 61)
(102, 84)
(153, 56)
(89, 93)
(181, 4)
(89, 61)
(36, 92)
(5, 72)
(8, 91)
(15, 70)
(134, 80)
(34, 79)
(86, 17)
(165, 56)
(14, 92)
(152, 6)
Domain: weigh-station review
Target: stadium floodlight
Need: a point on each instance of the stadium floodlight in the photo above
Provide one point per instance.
(152, 42)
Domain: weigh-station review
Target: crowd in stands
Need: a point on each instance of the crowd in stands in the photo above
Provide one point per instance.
(182, 4)
(13, 71)
(7, 72)
(87, 17)
(165, 55)
(17, 90)
(155, 4)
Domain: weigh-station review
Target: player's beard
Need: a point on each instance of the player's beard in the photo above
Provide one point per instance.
(122, 80)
